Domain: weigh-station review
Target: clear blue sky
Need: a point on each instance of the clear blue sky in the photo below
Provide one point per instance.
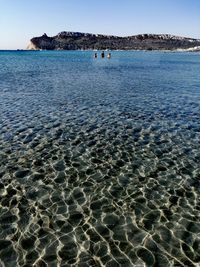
(20, 20)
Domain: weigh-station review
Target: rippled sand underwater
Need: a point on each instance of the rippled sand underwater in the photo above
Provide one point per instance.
(99, 159)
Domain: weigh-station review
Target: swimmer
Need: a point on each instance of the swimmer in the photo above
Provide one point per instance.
(109, 55)
(103, 54)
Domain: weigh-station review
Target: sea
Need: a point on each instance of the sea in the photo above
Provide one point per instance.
(99, 159)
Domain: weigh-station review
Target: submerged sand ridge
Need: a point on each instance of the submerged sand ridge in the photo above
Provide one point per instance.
(99, 176)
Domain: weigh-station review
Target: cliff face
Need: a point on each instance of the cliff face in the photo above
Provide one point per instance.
(78, 41)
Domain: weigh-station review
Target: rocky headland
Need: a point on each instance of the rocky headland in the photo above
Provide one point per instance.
(87, 41)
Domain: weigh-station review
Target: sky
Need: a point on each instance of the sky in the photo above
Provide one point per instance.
(20, 20)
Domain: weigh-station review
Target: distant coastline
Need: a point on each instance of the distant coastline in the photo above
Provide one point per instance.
(87, 41)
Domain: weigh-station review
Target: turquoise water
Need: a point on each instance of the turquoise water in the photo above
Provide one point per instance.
(99, 159)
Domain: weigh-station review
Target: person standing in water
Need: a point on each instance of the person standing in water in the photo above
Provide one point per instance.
(109, 55)
(102, 54)
(95, 55)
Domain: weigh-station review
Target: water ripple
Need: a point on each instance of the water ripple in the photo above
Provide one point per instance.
(99, 159)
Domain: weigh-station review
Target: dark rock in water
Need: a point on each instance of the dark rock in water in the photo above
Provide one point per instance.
(75, 218)
(50, 258)
(146, 256)
(94, 237)
(11, 192)
(69, 251)
(8, 219)
(60, 166)
(119, 233)
(60, 177)
(38, 176)
(28, 243)
(38, 162)
(28, 138)
(8, 255)
(21, 173)
(162, 168)
(4, 244)
(78, 40)
(111, 220)
(96, 205)
(31, 257)
(173, 200)
(151, 219)
(67, 228)
(77, 193)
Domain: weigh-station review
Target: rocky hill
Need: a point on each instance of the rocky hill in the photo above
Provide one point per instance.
(84, 41)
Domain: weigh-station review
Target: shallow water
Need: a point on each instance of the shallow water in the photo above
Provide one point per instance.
(99, 159)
